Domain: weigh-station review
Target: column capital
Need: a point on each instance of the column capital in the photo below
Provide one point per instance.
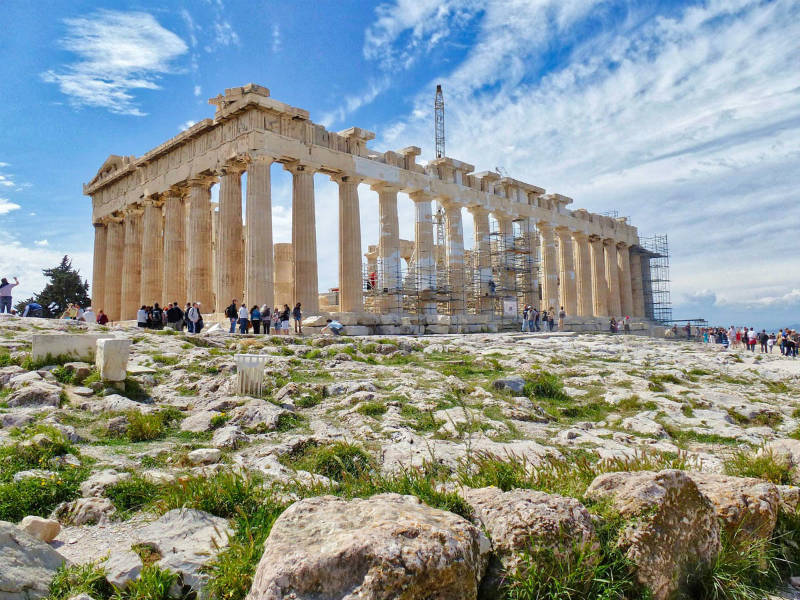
(258, 158)
(579, 235)
(205, 181)
(476, 210)
(99, 223)
(115, 217)
(420, 196)
(622, 245)
(594, 239)
(609, 242)
(156, 201)
(346, 178)
(233, 167)
(296, 167)
(384, 186)
(133, 210)
(545, 226)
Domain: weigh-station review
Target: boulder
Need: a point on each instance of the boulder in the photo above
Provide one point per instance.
(199, 421)
(387, 546)
(230, 437)
(672, 528)
(121, 567)
(39, 393)
(514, 384)
(547, 527)
(186, 540)
(80, 370)
(75, 345)
(790, 498)
(97, 483)
(786, 451)
(84, 511)
(204, 456)
(17, 382)
(258, 414)
(747, 508)
(45, 530)
(26, 564)
(111, 358)
(33, 474)
(6, 373)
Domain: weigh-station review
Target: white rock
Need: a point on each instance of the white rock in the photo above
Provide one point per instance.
(122, 567)
(112, 358)
(204, 456)
(45, 530)
(26, 564)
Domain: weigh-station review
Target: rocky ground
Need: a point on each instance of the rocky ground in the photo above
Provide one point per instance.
(175, 473)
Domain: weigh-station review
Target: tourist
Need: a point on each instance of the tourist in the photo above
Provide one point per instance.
(244, 321)
(102, 318)
(255, 318)
(141, 317)
(186, 316)
(5, 294)
(762, 340)
(276, 320)
(156, 317)
(536, 317)
(612, 325)
(544, 318)
(751, 340)
(232, 313)
(627, 326)
(780, 342)
(195, 318)
(525, 312)
(175, 317)
(551, 318)
(32, 309)
(770, 342)
(266, 319)
(285, 319)
(297, 315)
(561, 314)
(688, 329)
(333, 327)
(492, 287)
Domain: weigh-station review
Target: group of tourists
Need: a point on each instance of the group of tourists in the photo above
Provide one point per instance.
(747, 338)
(173, 316)
(264, 319)
(535, 320)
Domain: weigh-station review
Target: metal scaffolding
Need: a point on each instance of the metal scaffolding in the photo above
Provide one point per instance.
(655, 278)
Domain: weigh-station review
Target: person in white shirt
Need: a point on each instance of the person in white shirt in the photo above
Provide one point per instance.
(243, 318)
(89, 316)
(141, 316)
(5, 294)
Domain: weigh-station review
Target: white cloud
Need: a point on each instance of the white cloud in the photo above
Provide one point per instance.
(6, 206)
(118, 54)
(186, 124)
(277, 42)
(689, 123)
(198, 91)
(350, 104)
(41, 243)
(224, 35)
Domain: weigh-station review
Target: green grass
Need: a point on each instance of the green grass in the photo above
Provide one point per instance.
(372, 409)
(419, 420)
(163, 359)
(79, 579)
(335, 461)
(131, 495)
(762, 465)
(144, 427)
(546, 386)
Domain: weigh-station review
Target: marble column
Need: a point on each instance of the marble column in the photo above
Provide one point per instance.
(174, 284)
(131, 265)
(284, 275)
(637, 290)
(505, 225)
(583, 274)
(625, 289)
(530, 277)
(152, 253)
(351, 278)
(424, 260)
(115, 245)
(199, 282)
(455, 256)
(99, 266)
(304, 238)
(259, 263)
(549, 266)
(612, 278)
(599, 285)
(483, 258)
(566, 269)
(229, 246)
(389, 249)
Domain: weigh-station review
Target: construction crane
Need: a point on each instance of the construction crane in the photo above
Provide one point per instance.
(438, 114)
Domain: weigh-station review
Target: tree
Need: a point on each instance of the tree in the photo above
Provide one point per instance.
(65, 287)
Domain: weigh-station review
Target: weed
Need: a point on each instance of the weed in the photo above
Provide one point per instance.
(372, 409)
(334, 461)
(131, 495)
(543, 385)
(219, 420)
(70, 581)
(153, 583)
(165, 359)
(763, 465)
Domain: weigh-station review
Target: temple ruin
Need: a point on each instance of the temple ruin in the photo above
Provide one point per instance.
(529, 247)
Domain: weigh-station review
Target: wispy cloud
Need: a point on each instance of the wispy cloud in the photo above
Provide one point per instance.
(117, 54)
(186, 124)
(41, 243)
(352, 103)
(277, 42)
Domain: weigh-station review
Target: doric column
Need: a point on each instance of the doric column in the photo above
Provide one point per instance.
(199, 282)
(351, 279)
(174, 284)
(259, 264)
(424, 260)
(625, 290)
(284, 274)
(599, 285)
(566, 270)
(636, 284)
(229, 246)
(505, 225)
(152, 253)
(455, 256)
(483, 257)
(115, 245)
(612, 277)
(389, 247)
(99, 266)
(583, 274)
(304, 238)
(131, 264)
(530, 276)
(549, 266)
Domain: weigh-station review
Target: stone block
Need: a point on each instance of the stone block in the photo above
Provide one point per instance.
(45, 530)
(437, 328)
(357, 330)
(74, 345)
(112, 358)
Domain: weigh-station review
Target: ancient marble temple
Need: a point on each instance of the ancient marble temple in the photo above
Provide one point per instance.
(159, 238)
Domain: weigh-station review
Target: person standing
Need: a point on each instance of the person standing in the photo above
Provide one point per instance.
(5, 294)
(751, 340)
(157, 317)
(276, 320)
(141, 317)
(233, 314)
(255, 318)
(525, 314)
(561, 314)
(102, 318)
(285, 319)
(297, 315)
(266, 319)
(551, 318)
(175, 317)
(536, 317)
(195, 318)
(89, 316)
(763, 338)
(243, 318)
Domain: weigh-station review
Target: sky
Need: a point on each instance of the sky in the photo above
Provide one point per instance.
(682, 116)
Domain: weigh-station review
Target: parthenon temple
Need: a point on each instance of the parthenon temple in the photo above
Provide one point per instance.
(159, 237)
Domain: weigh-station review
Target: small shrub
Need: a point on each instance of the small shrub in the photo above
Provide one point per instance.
(372, 409)
(143, 427)
(131, 495)
(335, 461)
(288, 421)
(79, 579)
(546, 386)
(64, 375)
(153, 583)
(220, 420)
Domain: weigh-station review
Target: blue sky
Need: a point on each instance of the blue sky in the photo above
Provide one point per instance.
(684, 116)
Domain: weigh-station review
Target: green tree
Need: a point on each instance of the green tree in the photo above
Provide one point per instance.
(65, 287)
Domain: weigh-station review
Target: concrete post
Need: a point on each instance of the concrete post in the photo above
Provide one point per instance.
(625, 284)
(131, 265)
(389, 277)
(304, 239)
(636, 284)
(99, 266)
(115, 245)
(174, 285)
(259, 265)
(483, 259)
(567, 288)
(549, 266)
(199, 283)
(612, 277)
(455, 256)
(351, 284)
(599, 285)
(230, 253)
(152, 253)
(583, 274)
